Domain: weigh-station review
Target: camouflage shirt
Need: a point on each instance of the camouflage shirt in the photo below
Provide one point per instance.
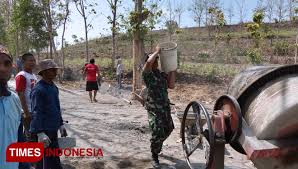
(156, 97)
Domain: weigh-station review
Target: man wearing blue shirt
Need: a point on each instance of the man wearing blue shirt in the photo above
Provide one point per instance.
(10, 110)
(46, 113)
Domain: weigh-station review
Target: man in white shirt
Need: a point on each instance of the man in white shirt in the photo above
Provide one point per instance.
(25, 81)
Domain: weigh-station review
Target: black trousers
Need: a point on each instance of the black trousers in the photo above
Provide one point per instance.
(51, 162)
(21, 138)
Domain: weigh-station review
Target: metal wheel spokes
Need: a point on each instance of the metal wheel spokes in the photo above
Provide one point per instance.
(197, 136)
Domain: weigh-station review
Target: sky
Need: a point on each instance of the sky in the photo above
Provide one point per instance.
(102, 28)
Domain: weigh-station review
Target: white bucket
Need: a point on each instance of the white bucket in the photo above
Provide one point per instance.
(168, 56)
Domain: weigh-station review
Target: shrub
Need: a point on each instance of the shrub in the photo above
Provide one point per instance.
(281, 48)
(239, 52)
(254, 56)
(211, 75)
(178, 58)
(203, 57)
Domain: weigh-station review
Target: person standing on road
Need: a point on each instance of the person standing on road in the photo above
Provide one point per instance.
(119, 73)
(92, 71)
(46, 113)
(157, 103)
(25, 81)
(10, 110)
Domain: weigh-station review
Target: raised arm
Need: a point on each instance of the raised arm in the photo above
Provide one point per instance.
(151, 60)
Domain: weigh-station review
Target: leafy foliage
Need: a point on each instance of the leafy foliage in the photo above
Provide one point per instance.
(171, 26)
(282, 48)
(254, 56)
(27, 19)
(255, 28)
(149, 18)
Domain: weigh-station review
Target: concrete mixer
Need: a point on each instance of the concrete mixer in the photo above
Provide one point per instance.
(258, 117)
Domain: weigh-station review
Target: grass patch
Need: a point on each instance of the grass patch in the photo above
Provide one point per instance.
(210, 70)
(79, 62)
(286, 33)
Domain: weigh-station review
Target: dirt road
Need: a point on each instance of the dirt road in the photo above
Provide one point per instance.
(121, 130)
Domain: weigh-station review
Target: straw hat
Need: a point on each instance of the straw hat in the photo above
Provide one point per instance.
(3, 50)
(47, 64)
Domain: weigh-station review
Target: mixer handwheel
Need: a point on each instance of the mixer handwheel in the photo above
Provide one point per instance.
(229, 104)
(197, 136)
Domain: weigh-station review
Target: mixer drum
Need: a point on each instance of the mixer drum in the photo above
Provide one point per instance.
(268, 97)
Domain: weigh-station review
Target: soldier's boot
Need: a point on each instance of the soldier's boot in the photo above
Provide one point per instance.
(155, 161)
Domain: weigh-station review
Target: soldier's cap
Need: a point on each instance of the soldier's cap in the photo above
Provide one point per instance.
(3, 50)
(46, 65)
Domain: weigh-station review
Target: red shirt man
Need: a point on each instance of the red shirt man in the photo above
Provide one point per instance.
(91, 70)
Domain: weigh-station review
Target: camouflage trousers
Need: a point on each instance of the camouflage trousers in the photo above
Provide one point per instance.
(161, 126)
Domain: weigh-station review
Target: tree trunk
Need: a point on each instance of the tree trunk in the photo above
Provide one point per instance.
(17, 43)
(138, 50)
(50, 28)
(51, 47)
(62, 41)
(113, 50)
(54, 48)
(86, 38)
(296, 49)
(114, 11)
(114, 43)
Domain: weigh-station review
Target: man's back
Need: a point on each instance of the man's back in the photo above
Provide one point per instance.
(91, 70)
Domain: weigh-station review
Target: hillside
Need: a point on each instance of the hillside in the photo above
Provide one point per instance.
(199, 52)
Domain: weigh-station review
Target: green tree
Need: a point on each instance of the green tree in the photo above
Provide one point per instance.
(29, 26)
(52, 21)
(255, 28)
(218, 19)
(256, 32)
(138, 26)
(171, 26)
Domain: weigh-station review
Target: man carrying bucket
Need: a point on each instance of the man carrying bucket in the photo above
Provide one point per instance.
(157, 103)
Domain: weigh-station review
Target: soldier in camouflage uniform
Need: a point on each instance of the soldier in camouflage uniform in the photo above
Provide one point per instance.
(157, 103)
